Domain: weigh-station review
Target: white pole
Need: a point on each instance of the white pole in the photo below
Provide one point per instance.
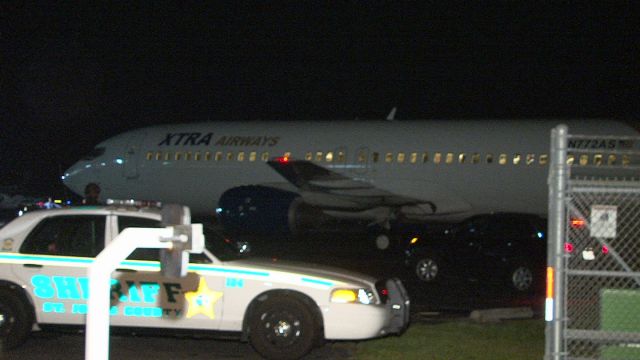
(99, 302)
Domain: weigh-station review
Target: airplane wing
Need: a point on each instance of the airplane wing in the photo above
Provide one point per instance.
(330, 190)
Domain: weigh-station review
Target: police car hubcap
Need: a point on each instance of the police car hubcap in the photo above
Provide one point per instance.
(283, 328)
(5, 321)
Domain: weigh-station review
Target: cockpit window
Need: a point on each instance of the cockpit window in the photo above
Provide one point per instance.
(99, 151)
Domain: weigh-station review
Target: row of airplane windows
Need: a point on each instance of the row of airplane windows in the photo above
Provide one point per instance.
(390, 157)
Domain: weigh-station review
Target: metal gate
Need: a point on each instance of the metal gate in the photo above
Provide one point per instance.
(593, 275)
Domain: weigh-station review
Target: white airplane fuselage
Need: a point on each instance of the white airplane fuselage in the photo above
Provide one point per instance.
(464, 167)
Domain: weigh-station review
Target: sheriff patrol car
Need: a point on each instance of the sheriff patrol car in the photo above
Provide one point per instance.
(282, 309)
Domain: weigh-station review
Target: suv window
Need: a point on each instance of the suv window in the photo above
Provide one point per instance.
(511, 228)
(78, 235)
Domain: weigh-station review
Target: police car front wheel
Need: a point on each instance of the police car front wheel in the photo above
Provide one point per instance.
(15, 320)
(283, 327)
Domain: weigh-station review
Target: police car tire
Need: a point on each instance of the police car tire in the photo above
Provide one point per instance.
(297, 333)
(17, 320)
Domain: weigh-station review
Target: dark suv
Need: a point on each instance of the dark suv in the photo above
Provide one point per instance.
(509, 248)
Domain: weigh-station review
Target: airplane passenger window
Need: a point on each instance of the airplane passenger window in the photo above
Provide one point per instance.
(475, 158)
(362, 156)
(516, 159)
(207, 156)
(531, 158)
(159, 155)
(502, 160)
(375, 157)
(218, 155)
(414, 158)
(196, 156)
(229, 156)
(341, 156)
(388, 157)
(400, 157)
(584, 160)
(626, 161)
(308, 156)
(544, 158)
(187, 155)
(252, 156)
(449, 159)
(570, 159)
(241, 156)
(287, 154)
(597, 159)
(489, 158)
(319, 156)
(167, 156)
(265, 156)
(461, 158)
(425, 157)
(149, 155)
(611, 160)
(178, 156)
(329, 156)
(437, 157)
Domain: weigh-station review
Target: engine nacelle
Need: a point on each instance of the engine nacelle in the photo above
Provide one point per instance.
(261, 210)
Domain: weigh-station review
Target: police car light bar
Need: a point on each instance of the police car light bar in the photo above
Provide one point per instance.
(135, 203)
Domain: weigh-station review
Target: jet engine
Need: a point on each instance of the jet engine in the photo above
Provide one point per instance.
(262, 210)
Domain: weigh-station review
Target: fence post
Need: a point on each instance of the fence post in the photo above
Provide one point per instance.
(554, 306)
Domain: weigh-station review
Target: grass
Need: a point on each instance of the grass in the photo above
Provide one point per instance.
(462, 339)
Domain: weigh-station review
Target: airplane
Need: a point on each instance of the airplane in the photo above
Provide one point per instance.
(289, 176)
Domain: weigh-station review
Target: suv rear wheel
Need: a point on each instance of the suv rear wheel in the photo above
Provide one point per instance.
(521, 278)
(427, 268)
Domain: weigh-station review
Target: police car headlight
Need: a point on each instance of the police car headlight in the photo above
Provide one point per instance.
(359, 296)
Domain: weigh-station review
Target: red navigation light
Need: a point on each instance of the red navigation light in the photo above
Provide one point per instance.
(577, 223)
(568, 247)
(282, 159)
(605, 249)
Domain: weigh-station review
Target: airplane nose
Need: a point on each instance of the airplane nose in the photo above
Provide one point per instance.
(77, 176)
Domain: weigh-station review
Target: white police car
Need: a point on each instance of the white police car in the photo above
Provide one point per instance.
(282, 309)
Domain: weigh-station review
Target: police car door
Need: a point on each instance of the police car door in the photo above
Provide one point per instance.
(142, 297)
(56, 255)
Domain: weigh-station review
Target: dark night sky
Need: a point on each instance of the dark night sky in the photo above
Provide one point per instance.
(73, 75)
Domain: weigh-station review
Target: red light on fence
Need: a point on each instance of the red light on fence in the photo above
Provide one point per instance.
(568, 247)
(577, 223)
(605, 249)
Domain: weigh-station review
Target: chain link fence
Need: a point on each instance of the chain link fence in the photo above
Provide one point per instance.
(593, 278)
